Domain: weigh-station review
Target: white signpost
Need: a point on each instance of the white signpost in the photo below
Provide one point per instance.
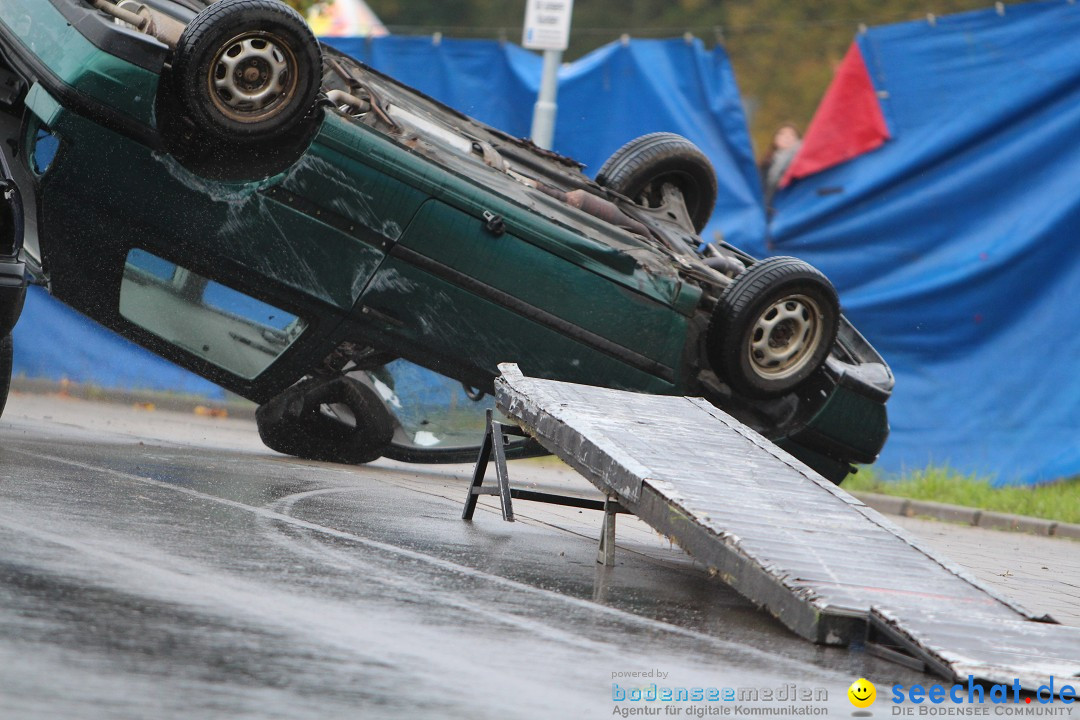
(547, 24)
(547, 28)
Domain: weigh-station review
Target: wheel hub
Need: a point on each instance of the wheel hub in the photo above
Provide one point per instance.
(254, 76)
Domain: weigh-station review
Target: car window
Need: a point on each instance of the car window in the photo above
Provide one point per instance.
(45, 147)
(217, 323)
(432, 411)
(437, 420)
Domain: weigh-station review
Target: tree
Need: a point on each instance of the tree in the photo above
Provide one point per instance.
(302, 5)
(784, 53)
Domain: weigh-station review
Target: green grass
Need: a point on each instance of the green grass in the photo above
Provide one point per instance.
(1056, 501)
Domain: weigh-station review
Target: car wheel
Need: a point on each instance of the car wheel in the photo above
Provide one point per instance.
(641, 168)
(338, 420)
(6, 359)
(773, 327)
(246, 70)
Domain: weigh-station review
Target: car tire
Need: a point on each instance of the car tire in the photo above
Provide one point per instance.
(773, 327)
(6, 361)
(293, 423)
(246, 71)
(640, 168)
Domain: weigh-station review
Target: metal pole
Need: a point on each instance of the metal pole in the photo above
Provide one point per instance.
(543, 126)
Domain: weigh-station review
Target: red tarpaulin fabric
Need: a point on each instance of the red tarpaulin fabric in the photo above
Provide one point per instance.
(848, 123)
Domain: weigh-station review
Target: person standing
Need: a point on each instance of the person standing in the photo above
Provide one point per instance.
(785, 145)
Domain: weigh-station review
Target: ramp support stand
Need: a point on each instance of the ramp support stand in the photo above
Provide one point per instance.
(606, 554)
(494, 444)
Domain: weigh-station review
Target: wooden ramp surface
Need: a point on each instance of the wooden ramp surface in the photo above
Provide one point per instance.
(789, 540)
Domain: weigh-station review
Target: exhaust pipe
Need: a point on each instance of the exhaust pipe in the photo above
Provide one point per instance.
(152, 22)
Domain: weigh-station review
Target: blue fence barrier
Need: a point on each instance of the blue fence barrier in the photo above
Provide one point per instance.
(954, 245)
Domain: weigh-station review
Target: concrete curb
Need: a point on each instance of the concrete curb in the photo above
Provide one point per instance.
(237, 408)
(891, 505)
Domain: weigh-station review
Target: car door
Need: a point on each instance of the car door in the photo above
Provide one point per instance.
(467, 293)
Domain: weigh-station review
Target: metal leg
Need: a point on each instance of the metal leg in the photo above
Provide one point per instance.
(602, 583)
(606, 554)
(478, 473)
(501, 471)
(495, 443)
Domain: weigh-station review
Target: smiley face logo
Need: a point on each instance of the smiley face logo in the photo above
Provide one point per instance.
(862, 693)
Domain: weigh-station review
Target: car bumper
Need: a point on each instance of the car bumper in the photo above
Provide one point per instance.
(852, 424)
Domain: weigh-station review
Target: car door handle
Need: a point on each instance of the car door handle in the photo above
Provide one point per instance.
(494, 224)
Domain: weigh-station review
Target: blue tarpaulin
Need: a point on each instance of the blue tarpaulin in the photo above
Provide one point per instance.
(955, 244)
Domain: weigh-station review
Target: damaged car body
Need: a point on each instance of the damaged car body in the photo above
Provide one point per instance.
(206, 180)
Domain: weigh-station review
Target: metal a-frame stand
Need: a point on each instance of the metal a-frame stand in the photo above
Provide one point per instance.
(495, 436)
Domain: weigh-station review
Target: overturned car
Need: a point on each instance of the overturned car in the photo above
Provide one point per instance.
(206, 180)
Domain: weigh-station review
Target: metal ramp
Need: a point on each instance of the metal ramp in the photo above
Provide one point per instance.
(827, 566)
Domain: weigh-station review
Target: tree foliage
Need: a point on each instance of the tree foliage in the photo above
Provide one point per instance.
(302, 5)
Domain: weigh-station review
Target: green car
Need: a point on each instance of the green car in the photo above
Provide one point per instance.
(206, 180)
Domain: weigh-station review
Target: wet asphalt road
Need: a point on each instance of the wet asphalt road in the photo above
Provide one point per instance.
(145, 577)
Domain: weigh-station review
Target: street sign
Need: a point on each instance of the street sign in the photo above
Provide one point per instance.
(547, 24)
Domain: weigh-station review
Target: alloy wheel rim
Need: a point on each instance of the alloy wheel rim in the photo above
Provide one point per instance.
(785, 337)
(253, 77)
